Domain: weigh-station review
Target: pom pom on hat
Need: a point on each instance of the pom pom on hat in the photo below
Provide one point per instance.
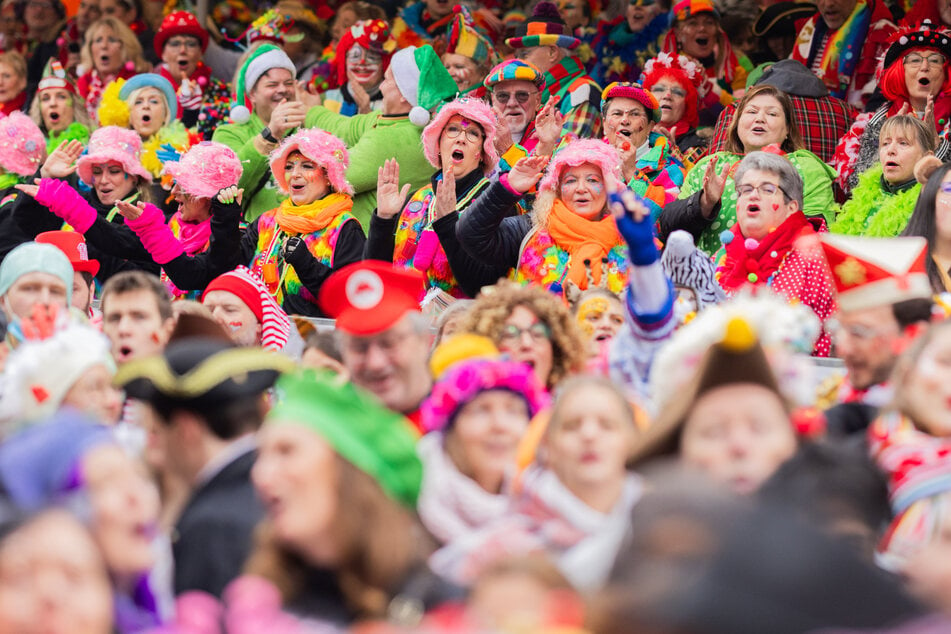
(264, 58)
(419, 116)
(240, 114)
(739, 336)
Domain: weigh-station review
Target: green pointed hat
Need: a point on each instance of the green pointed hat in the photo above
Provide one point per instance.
(423, 81)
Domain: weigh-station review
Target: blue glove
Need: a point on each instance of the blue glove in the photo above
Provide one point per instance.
(638, 235)
(167, 152)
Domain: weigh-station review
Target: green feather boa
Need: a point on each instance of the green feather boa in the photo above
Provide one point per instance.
(73, 132)
(872, 212)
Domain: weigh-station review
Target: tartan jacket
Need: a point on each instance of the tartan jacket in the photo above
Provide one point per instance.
(822, 122)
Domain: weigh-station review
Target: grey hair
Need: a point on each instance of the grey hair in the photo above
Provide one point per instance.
(789, 179)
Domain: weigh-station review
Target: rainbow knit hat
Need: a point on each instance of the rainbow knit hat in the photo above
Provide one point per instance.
(465, 38)
(515, 70)
(544, 28)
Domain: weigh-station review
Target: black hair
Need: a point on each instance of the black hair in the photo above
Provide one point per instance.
(912, 311)
(226, 422)
(922, 222)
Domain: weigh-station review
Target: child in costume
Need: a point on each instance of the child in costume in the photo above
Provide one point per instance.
(885, 197)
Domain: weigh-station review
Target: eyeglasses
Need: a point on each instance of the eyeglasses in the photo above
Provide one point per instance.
(358, 54)
(764, 189)
(520, 96)
(183, 42)
(472, 133)
(914, 60)
(855, 331)
(538, 332)
(659, 90)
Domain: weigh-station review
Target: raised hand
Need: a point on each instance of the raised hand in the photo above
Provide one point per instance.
(713, 186)
(286, 116)
(30, 190)
(230, 195)
(526, 172)
(628, 154)
(307, 94)
(360, 96)
(130, 211)
(445, 200)
(503, 138)
(549, 123)
(389, 196)
(62, 161)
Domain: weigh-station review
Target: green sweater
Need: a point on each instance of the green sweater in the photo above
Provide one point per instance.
(372, 138)
(818, 198)
(240, 138)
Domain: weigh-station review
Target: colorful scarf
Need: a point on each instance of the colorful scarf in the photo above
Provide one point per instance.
(194, 236)
(583, 239)
(560, 79)
(873, 211)
(757, 262)
(14, 105)
(843, 49)
(312, 217)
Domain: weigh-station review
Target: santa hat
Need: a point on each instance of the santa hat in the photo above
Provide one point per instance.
(422, 80)
(686, 266)
(368, 297)
(275, 324)
(871, 272)
(261, 60)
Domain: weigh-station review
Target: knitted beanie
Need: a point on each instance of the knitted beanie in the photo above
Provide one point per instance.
(376, 440)
(261, 60)
(686, 266)
(275, 324)
(34, 257)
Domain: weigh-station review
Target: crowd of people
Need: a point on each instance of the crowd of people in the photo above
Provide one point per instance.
(501, 316)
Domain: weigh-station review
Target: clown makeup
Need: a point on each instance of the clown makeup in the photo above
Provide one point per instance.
(582, 191)
(111, 182)
(898, 151)
(627, 118)
(56, 109)
(366, 66)
(461, 142)
(238, 320)
(601, 317)
(672, 98)
(11, 83)
(639, 14)
(107, 51)
(698, 35)
(306, 180)
(147, 111)
(192, 208)
(462, 69)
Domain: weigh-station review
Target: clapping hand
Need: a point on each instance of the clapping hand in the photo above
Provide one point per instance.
(389, 196)
(62, 161)
(526, 172)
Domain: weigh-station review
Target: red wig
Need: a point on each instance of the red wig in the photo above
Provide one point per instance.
(691, 117)
(895, 90)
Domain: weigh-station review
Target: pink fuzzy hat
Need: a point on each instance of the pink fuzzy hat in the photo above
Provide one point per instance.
(321, 147)
(22, 146)
(113, 144)
(474, 110)
(468, 379)
(579, 152)
(205, 169)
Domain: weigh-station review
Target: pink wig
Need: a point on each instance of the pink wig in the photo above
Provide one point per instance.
(474, 110)
(593, 151)
(321, 147)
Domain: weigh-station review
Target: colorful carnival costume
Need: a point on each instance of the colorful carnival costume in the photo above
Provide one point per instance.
(373, 36)
(620, 54)
(877, 209)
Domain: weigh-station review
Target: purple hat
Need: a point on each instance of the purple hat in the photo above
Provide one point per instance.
(113, 144)
(205, 169)
(579, 152)
(468, 379)
(321, 147)
(41, 464)
(474, 110)
(22, 146)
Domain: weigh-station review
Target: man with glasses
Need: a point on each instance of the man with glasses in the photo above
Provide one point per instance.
(842, 44)
(884, 301)
(514, 89)
(384, 339)
(546, 42)
(180, 43)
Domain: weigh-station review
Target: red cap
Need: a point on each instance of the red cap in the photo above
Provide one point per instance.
(73, 244)
(243, 289)
(179, 23)
(370, 296)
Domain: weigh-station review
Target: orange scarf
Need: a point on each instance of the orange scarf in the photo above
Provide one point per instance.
(583, 239)
(312, 217)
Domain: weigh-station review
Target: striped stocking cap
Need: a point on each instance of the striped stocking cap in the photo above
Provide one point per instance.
(275, 324)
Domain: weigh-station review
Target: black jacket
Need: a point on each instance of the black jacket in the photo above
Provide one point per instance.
(490, 231)
(685, 214)
(471, 274)
(213, 536)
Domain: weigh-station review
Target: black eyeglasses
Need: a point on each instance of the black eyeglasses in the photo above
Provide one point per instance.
(520, 96)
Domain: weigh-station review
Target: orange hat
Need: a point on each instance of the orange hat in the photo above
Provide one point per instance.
(871, 272)
(73, 244)
(368, 297)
